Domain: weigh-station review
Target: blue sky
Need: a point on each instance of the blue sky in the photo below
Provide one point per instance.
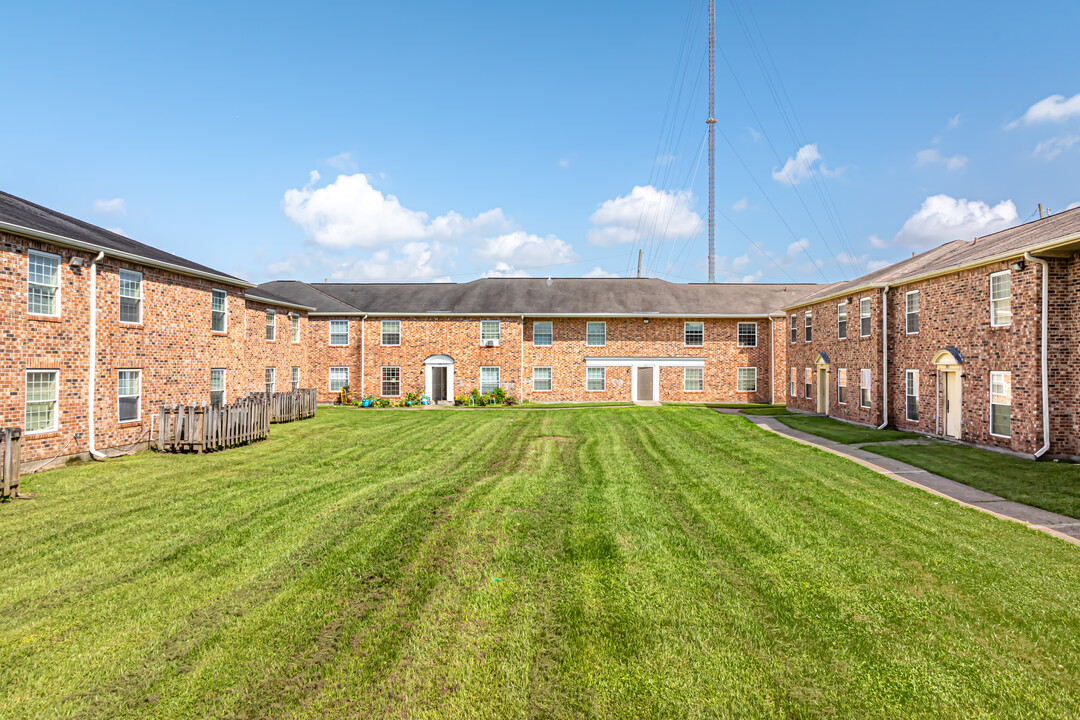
(421, 141)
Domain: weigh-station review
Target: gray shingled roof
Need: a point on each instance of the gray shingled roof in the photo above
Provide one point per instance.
(271, 298)
(959, 253)
(16, 211)
(535, 296)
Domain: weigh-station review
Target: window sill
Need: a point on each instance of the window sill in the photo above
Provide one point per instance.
(131, 326)
(129, 424)
(219, 333)
(44, 318)
(41, 434)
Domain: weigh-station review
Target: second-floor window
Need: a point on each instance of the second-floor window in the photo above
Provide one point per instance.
(542, 334)
(294, 326)
(490, 331)
(794, 329)
(694, 334)
(130, 297)
(43, 284)
(864, 317)
(271, 325)
(807, 326)
(841, 321)
(339, 332)
(747, 334)
(218, 322)
(1001, 298)
(911, 303)
(596, 334)
(391, 332)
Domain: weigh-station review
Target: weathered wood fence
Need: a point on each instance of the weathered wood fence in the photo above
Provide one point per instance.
(202, 428)
(289, 406)
(10, 461)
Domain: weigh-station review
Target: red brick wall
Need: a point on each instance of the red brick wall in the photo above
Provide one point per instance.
(1064, 349)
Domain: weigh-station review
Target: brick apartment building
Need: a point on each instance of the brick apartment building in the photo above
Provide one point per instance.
(968, 329)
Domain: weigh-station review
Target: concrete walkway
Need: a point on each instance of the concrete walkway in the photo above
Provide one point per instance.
(1060, 526)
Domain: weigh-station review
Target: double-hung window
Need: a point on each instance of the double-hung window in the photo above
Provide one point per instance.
(791, 388)
(694, 334)
(841, 321)
(490, 378)
(294, 327)
(807, 326)
(218, 316)
(747, 334)
(694, 379)
(542, 333)
(542, 379)
(1001, 404)
(911, 381)
(794, 329)
(595, 378)
(217, 387)
(128, 392)
(864, 388)
(841, 386)
(339, 378)
(130, 297)
(596, 334)
(41, 397)
(864, 317)
(1001, 298)
(43, 284)
(391, 381)
(270, 376)
(271, 325)
(295, 379)
(339, 332)
(391, 332)
(746, 381)
(911, 307)
(490, 331)
(808, 379)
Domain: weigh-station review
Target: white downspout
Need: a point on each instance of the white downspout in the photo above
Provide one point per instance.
(884, 357)
(90, 392)
(1043, 352)
(363, 365)
(521, 358)
(772, 366)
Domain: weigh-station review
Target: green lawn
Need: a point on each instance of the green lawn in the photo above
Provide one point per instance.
(641, 562)
(1048, 485)
(843, 432)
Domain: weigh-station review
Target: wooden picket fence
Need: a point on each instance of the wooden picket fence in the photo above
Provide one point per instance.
(10, 461)
(201, 428)
(289, 406)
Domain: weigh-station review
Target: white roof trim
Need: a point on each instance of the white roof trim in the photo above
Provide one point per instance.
(631, 361)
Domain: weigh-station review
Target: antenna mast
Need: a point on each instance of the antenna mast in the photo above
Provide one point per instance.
(712, 141)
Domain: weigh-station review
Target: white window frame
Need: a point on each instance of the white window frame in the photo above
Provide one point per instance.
(550, 334)
(294, 378)
(866, 382)
(485, 333)
(841, 309)
(383, 332)
(224, 385)
(996, 300)
(120, 296)
(271, 325)
(808, 384)
(738, 379)
(214, 292)
(588, 331)
(686, 334)
(738, 334)
(270, 380)
(794, 325)
(992, 403)
(792, 389)
(867, 315)
(498, 378)
(841, 374)
(330, 334)
(383, 380)
(330, 377)
(603, 379)
(908, 313)
(911, 380)
(550, 378)
(55, 400)
(56, 289)
(138, 395)
(686, 379)
(808, 326)
(294, 327)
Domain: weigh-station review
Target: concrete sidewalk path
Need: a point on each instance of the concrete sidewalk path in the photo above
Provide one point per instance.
(1061, 526)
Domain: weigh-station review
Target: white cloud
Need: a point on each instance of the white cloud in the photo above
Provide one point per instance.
(803, 166)
(943, 218)
(739, 205)
(416, 261)
(350, 213)
(754, 134)
(1056, 108)
(953, 121)
(342, 161)
(117, 230)
(564, 162)
(1073, 206)
(504, 270)
(520, 249)
(933, 157)
(645, 212)
(110, 207)
(599, 272)
(1053, 147)
(877, 242)
(666, 159)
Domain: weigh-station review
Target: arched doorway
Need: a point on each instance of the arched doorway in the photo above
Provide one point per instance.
(439, 378)
(821, 363)
(949, 365)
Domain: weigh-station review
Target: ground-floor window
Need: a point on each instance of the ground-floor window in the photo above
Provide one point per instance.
(339, 378)
(391, 381)
(541, 378)
(595, 378)
(808, 379)
(791, 389)
(747, 379)
(841, 386)
(295, 378)
(270, 373)
(864, 388)
(128, 392)
(1001, 404)
(911, 381)
(693, 379)
(489, 379)
(42, 387)
(217, 387)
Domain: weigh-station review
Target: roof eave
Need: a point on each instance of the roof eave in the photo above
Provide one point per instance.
(282, 303)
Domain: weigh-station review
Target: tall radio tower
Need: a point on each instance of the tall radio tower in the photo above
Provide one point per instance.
(712, 141)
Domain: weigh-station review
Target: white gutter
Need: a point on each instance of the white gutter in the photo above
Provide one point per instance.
(1042, 352)
(772, 362)
(90, 393)
(121, 255)
(406, 313)
(884, 357)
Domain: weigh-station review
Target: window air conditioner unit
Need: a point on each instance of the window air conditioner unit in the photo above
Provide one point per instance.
(491, 343)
